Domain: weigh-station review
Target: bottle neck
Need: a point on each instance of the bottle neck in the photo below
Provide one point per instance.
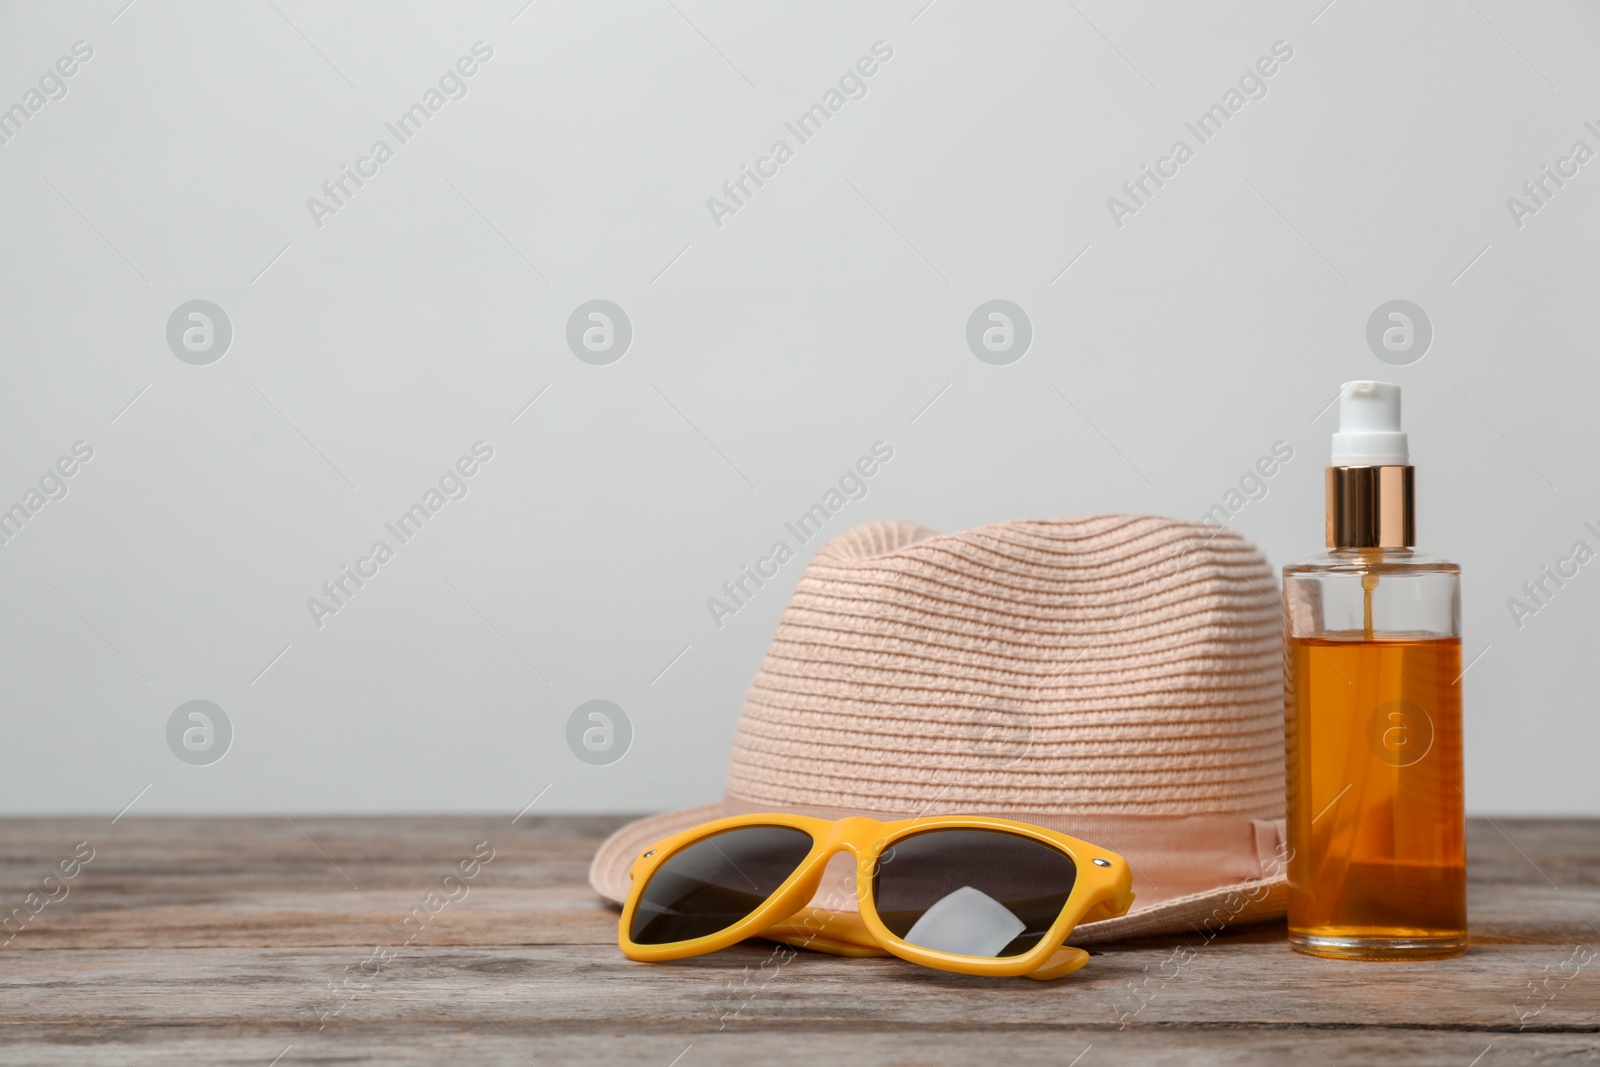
(1371, 507)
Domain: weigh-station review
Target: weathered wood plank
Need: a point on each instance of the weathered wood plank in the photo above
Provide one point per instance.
(217, 940)
(508, 1045)
(174, 883)
(1249, 979)
(189, 883)
(470, 1040)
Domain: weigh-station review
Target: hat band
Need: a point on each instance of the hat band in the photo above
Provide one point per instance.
(1171, 855)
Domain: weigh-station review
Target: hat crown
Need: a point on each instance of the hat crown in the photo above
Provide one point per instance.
(1107, 664)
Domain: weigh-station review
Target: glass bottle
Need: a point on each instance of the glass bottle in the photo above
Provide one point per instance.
(1372, 707)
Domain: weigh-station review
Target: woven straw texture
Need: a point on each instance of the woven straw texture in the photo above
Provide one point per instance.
(1100, 665)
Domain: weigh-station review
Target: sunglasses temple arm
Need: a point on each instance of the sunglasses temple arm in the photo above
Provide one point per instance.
(1066, 959)
(1060, 963)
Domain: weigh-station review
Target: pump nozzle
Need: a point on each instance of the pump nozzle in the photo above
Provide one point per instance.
(1370, 484)
(1369, 432)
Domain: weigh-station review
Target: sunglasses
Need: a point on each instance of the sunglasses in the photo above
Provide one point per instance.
(962, 893)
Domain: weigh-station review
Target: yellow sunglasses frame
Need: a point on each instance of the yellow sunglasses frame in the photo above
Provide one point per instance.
(1102, 890)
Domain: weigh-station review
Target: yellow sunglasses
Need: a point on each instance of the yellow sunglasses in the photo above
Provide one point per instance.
(963, 893)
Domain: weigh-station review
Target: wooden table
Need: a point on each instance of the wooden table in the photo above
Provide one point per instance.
(237, 940)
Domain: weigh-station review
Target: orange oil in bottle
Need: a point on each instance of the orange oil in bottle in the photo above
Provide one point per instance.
(1375, 801)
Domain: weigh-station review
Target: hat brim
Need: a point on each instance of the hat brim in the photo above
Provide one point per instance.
(1204, 913)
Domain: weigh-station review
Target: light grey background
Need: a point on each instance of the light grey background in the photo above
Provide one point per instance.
(767, 354)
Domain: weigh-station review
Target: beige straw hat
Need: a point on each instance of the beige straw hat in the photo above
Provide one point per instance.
(1118, 678)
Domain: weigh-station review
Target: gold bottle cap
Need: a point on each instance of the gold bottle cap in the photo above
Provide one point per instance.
(1371, 507)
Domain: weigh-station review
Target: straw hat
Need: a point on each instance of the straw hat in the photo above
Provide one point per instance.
(1116, 677)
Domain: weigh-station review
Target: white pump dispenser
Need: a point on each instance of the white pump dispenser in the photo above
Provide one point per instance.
(1369, 432)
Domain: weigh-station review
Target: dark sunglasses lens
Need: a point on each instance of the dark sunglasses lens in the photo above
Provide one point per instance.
(715, 882)
(972, 892)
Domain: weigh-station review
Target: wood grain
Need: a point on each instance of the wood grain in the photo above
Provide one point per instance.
(229, 940)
